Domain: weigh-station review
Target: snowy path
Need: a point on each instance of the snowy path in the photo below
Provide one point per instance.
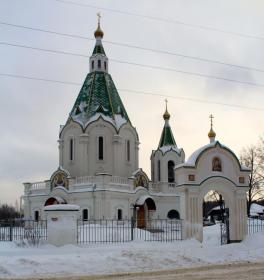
(235, 271)
(137, 256)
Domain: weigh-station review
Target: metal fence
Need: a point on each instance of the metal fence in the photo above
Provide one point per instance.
(14, 230)
(255, 225)
(112, 231)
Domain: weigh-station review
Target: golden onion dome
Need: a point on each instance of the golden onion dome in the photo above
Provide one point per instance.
(98, 32)
(166, 115)
(211, 133)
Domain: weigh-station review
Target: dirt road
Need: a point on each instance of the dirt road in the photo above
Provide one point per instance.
(234, 271)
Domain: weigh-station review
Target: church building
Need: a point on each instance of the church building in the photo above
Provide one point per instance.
(99, 165)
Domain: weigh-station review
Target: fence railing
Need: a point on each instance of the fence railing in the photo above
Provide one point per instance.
(14, 230)
(255, 225)
(112, 231)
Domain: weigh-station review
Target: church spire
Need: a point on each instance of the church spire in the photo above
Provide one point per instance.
(99, 60)
(167, 138)
(98, 96)
(211, 133)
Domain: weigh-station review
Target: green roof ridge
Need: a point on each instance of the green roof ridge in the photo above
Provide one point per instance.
(167, 138)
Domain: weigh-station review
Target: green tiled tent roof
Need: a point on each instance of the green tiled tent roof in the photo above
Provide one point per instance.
(167, 138)
(98, 49)
(98, 95)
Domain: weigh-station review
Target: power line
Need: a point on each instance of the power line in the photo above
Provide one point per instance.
(140, 65)
(135, 91)
(203, 27)
(136, 47)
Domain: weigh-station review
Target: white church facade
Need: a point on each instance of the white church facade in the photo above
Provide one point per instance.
(99, 166)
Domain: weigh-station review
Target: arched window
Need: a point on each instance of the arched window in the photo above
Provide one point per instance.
(105, 65)
(171, 177)
(71, 151)
(85, 214)
(36, 216)
(119, 214)
(93, 65)
(99, 63)
(159, 170)
(100, 148)
(128, 150)
(216, 164)
(173, 214)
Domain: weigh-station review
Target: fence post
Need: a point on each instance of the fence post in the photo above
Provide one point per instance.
(132, 228)
(10, 232)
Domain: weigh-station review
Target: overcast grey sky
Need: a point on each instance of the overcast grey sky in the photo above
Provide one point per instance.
(31, 111)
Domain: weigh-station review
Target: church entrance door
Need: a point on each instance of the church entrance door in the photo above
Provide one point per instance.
(141, 223)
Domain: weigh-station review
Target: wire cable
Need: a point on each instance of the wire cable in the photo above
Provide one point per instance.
(135, 47)
(140, 65)
(135, 91)
(203, 27)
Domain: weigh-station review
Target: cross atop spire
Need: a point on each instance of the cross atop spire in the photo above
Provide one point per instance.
(211, 118)
(99, 18)
(98, 32)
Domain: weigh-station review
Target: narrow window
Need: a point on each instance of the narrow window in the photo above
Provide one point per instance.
(216, 164)
(85, 214)
(101, 148)
(71, 149)
(159, 170)
(99, 63)
(105, 65)
(93, 65)
(171, 177)
(128, 150)
(36, 216)
(119, 214)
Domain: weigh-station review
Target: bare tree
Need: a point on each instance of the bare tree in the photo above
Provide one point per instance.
(8, 212)
(253, 157)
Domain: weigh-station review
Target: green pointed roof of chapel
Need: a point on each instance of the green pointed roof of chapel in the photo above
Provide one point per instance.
(99, 95)
(166, 138)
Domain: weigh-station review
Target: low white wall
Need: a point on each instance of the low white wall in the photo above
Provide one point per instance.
(62, 224)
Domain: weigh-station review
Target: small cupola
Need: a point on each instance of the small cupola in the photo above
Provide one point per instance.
(211, 133)
(99, 60)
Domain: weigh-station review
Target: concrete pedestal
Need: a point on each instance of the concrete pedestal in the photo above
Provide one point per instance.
(62, 224)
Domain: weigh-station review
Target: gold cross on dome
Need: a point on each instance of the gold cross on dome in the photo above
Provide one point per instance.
(99, 17)
(166, 101)
(211, 117)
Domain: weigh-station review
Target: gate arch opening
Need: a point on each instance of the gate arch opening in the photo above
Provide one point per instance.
(215, 217)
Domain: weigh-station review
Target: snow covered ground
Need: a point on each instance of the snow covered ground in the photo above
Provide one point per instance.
(47, 260)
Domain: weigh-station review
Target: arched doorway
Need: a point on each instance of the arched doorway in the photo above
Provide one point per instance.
(144, 206)
(55, 200)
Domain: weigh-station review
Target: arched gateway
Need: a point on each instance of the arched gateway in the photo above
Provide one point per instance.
(213, 167)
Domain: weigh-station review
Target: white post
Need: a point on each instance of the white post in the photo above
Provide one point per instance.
(62, 224)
